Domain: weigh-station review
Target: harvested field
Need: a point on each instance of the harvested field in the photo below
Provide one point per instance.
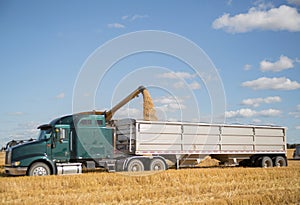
(186, 186)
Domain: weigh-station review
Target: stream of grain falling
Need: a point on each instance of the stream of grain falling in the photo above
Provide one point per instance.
(149, 110)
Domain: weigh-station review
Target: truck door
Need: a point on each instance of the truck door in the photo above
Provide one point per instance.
(60, 144)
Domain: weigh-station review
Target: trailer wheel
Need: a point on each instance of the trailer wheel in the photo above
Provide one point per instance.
(135, 165)
(266, 162)
(157, 165)
(280, 161)
(39, 169)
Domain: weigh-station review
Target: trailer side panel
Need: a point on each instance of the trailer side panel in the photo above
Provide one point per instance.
(201, 138)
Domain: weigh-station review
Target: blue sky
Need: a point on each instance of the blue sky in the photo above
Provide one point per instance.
(254, 45)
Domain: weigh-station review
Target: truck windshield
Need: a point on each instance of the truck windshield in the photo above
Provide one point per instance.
(44, 134)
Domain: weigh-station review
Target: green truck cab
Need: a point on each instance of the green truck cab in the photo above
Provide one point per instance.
(63, 146)
(87, 139)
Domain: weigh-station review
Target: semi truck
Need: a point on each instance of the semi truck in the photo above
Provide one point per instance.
(91, 140)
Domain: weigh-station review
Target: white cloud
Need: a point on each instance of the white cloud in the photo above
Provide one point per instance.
(262, 5)
(134, 17)
(247, 67)
(244, 113)
(296, 113)
(255, 102)
(169, 103)
(256, 121)
(115, 25)
(60, 96)
(229, 2)
(298, 127)
(269, 113)
(137, 16)
(240, 113)
(275, 19)
(17, 113)
(176, 106)
(282, 64)
(181, 75)
(179, 84)
(87, 94)
(127, 112)
(176, 75)
(168, 100)
(295, 2)
(195, 85)
(25, 131)
(264, 83)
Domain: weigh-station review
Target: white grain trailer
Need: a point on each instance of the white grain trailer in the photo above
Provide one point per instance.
(186, 144)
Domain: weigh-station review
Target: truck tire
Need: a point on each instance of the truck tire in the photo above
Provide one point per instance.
(157, 165)
(39, 169)
(266, 162)
(135, 165)
(280, 161)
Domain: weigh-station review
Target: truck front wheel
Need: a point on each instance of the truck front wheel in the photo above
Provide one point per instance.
(39, 169)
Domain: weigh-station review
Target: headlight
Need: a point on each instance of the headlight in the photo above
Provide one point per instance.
(17, 163)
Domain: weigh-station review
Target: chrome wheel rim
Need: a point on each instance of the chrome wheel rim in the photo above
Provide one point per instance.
(39, 171)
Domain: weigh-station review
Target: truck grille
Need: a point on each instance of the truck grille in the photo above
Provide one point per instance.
(8, 157)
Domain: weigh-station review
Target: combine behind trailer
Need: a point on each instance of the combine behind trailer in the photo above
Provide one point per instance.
(296, 154)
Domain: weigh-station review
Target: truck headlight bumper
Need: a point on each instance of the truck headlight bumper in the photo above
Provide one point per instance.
(15, 170)
(17, 163)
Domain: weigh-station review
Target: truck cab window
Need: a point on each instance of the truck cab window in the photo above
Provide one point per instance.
(85, 122)
(44, 134)
(100, 123)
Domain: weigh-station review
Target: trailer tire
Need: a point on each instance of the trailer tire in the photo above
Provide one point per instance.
(135, 165)
(157, 165)
(280, 161)
(266, 162)
(39, 169)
